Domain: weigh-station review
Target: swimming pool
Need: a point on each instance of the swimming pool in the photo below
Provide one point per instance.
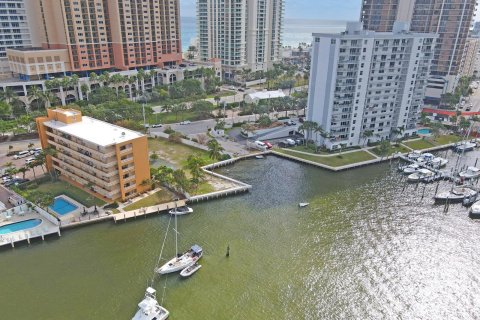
(22, 225)
(424, 131)
(62, 206)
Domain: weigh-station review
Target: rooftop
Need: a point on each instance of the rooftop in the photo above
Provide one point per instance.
(266, 95)
(95, 131)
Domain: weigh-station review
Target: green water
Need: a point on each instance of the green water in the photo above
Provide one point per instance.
(367, 247)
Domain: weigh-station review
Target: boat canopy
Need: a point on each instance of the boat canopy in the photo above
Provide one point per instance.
(151, 291)
(196, 248)
(473, 169)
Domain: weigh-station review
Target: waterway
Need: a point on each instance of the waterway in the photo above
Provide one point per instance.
(367, 247)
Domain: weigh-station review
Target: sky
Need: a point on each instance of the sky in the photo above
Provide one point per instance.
(308, 9)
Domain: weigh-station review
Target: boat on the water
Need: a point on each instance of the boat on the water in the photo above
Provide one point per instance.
(414, 155)
(464, 146)
(188, 271)
(412, 168)
(470, 173)
(178, 263)
(438, 162)
(259, 157)
(303, 204)
(181, 211)
(420, 175)
(456, 194)
(149, 308)
(474, 211)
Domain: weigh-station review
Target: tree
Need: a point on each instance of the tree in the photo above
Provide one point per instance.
(180, 180)
(8, 95)
(424, 120)
(217, 100)
(384, 148)
(178, 109)
(5, 109)
(214, 149)
(203, 109)
(194, 165)
(154, 157)
(264, 121)
(23, 170)
(366, 135)
(436, 128)
(50, 99)
(464, 123)
(202, 138)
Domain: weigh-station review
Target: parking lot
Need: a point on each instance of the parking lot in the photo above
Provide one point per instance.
(18, 163)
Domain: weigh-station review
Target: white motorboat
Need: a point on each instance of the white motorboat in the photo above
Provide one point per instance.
(259, 157)
(470, 173)
(149, 308)
(303, 204)
(474, 210)
(428, 157)
(456, 194)
(178, 263)
(438, 162)
(188, 271)
(181, 211)
(464, 146)
(420, 175)
(411, 168)
(414, 155)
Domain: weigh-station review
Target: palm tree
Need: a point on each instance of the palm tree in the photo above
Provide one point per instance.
(8, 95)
(194, 165)
(214, 149)
(23, 170)
(365, 135)
(178, 108)
(84, 89)
(50, 99)
(217, 100)
(35, 94)
(32, 166)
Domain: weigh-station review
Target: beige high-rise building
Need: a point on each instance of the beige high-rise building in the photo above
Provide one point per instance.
(106, 34)
(243, 34)
(469, 61)
(450, 19)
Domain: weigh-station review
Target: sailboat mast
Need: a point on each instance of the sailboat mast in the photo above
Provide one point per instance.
(176, 232)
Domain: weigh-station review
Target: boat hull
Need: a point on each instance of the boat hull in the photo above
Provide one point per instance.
(185, 273)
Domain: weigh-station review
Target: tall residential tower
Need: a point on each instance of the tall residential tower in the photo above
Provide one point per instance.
(368, 81)
(244, 34)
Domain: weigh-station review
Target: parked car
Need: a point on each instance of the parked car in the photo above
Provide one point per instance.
(21, 154)
(290, 142)
(158, 125)
(260, 145)
(185, 122)
(16, 181)
(29, 160)
(301, 119)
(6, 179)
(299, 141)
(35, 150)
(241, 89)
(268, 144)
(290, 123)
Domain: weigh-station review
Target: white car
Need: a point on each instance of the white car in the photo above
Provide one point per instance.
(185, 122)
(158, 125)
(29, 160)
(290, 142)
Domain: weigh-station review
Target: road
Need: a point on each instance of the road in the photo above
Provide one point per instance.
(474, 99)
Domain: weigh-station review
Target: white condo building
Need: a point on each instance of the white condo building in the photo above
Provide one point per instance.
(244, 34)
(14, 29)
(365, 80)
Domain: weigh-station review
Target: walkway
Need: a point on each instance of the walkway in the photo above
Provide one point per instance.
(149, 210)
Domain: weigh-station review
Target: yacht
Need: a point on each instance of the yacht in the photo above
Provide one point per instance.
(414, 155)
(474, 211)
(181, 211)
(178, 263)
(456, 194)
(470, 173)
(412, 168)
(149, 308)
(438, 162)
(464, 146)
(420, 175)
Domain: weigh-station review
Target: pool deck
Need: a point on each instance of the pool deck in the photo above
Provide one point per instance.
(22, 213)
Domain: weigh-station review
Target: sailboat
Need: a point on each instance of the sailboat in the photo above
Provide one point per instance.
(149, 308)
(180, 262)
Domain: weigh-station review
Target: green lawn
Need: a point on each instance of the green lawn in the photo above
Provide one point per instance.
(166, 118)
(393, 149)
(221, 94)
(308, 148)
(61, 187)
(430, 142)
(175, 153)
(159, 197)
(333, 161)
(203, 188)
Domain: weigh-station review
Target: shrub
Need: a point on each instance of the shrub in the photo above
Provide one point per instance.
(169, 130)
(225, 156)
(113, 205)
(175, 137)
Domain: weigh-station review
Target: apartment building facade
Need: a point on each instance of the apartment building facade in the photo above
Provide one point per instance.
(102, 35)
(106, 160)
(243, 34)
(469, 64)
(15, 31)
(368, 81)
(450, 19)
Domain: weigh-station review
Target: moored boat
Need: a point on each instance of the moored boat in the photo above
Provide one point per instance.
(187, 259)
(414, 155)
(474, 211)
(464, 146)
(411, 168)
(420, 175)
(303, 204)
(470, 173)
(438, 162)
(181, 211)
(456, 194)
(188, 271)
(149, 308)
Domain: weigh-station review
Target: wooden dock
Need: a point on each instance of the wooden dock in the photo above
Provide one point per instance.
(143, 212)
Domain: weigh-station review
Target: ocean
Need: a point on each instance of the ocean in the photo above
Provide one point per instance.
(296, 30)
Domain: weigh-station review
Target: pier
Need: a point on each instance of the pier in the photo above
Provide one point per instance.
(143, 212)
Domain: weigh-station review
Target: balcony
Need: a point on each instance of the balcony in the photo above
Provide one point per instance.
(99, 152)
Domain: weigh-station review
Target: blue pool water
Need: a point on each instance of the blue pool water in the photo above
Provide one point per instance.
(22, 225)
(62, 206)
(424, 131)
